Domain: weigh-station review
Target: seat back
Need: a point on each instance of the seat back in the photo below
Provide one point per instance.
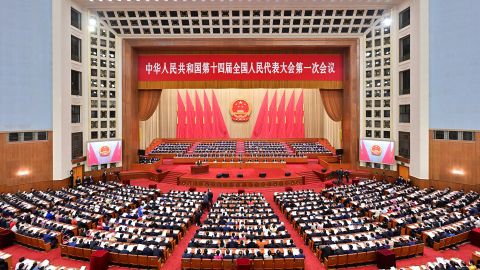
(142, 260)
(362, 257)
(279, 263)
(132, 259)
(448, 241)
(206, 264)
(371, 256)
(63, 250)
(352, 258)
(268, 264)
(78, 252)
(420, 248)
(114, 257)
(342, 259)
(404, 251)
(217, 264)
(153, 261)
(289, 263)
(123, 258)
(397, 251)
(196, 263)
(228, 264)
(257, 264)
(332, 260)
(299, 263)
(186, 264)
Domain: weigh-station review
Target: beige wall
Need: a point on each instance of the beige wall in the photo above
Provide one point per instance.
(162, 124)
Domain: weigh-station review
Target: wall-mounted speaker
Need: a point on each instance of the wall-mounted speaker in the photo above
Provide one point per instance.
(262, 174)
(240, 175)
(288, 173)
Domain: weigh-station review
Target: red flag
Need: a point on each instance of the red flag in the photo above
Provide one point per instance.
(272, 117)
(281, 118)
(190, 118)
(181, 117)
(262, 114)
(299, 124)
(198, 117)
(207, 114)
(221, 129)
(289, 117)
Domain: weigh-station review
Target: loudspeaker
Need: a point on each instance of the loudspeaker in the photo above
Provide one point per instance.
(141, 152)
(324, 170)
(219, 175)
(288, 173)
(339, 152)
(225, 175)
(240, 175)
(262, 174)
(158, 170)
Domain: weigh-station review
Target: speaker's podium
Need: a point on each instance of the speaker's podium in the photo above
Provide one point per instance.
(199, 169)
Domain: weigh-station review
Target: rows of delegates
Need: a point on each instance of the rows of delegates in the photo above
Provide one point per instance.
(171, 148)
(213, 149)
(309, 148)
(376, 215)
(266, 149)
(242, 226)
(119, 218)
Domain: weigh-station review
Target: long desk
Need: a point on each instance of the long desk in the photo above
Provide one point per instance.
(253, 165)
(241, 183)
(7, 258)
(199, 169)
(192, 160)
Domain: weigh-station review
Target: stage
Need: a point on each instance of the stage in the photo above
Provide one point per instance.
(274, 177)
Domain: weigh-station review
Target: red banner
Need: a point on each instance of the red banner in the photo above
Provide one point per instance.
(241, 67)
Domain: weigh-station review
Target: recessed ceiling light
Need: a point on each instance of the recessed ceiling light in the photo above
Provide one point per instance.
(387, 21)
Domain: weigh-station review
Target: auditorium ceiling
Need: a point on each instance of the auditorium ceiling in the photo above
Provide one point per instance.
(238, 18)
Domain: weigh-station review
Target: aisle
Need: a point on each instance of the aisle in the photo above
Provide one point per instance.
(175, 259)
(311, 262)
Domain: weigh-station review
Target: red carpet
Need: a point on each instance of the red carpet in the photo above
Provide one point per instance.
(247, 173)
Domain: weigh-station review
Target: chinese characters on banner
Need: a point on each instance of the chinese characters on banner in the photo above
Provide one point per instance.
(205, 67)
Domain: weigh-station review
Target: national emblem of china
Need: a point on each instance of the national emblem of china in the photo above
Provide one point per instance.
(240, 110)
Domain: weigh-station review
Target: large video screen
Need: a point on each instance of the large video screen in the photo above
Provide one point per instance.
(104, 152)
(377, 151)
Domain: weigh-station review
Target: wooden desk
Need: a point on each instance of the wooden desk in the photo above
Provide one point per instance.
(8, 258)
(476, 257)
(199, 169)
(247, 165)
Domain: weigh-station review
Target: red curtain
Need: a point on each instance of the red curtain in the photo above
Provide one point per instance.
(199, 122)
(207, 111)
(272, 117)
(221, 128)
(281, 118)
(189, 133)
(299, 126)
(181, 117)
(290, 116)
(332, 101)
(262, 115)
(147, 103)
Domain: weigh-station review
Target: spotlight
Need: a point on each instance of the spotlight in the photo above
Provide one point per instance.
(23, 172)
(387, 21)
(458, 172)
